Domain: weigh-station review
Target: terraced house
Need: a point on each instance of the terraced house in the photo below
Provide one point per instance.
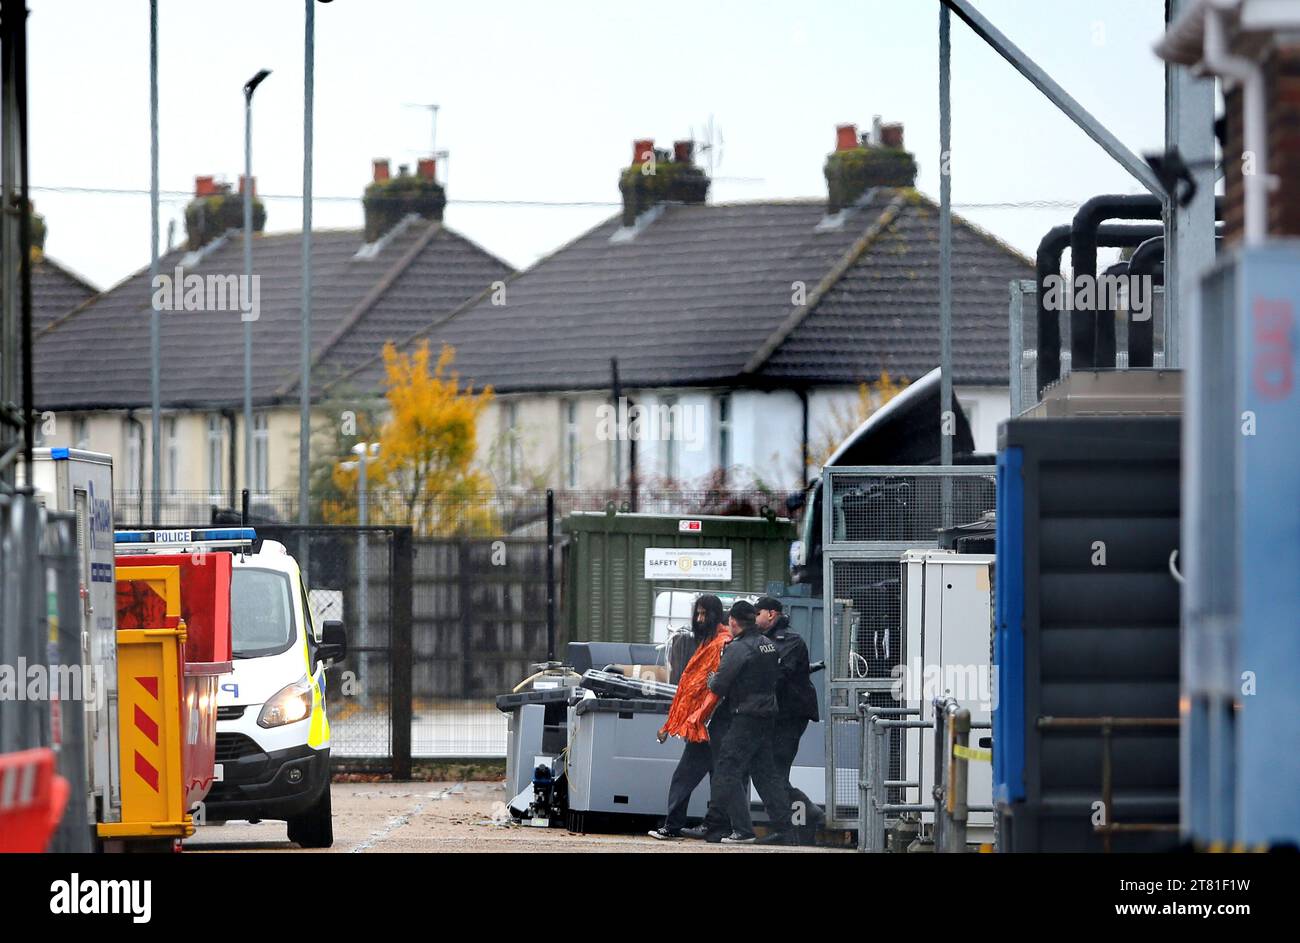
(395, 276)
(740, 334)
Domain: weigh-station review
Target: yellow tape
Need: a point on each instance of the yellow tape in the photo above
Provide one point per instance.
(972, 753)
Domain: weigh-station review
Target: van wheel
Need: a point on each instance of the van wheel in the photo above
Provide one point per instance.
(315, 827)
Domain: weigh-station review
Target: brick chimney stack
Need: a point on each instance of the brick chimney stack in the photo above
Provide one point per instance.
(388, 199)
(878, 159)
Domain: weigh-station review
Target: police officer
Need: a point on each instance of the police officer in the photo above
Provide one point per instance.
(796, 700)
(746, 680)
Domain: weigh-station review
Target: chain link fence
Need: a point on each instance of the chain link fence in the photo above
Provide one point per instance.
(442, 615)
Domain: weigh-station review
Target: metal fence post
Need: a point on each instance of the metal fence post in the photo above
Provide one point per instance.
(73, 834)
(939, 709)
(957, 808)
(864, 779)
(400, 665)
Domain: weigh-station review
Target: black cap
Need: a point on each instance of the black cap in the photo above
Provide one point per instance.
(742, 611)
(769, 602)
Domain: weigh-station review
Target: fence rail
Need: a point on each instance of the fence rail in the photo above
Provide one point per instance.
(439, 622)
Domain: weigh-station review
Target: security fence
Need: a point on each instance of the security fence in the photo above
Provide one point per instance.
(440, 619)
(874, 514)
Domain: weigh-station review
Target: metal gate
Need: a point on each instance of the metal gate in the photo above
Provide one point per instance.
(362, 576)
(872, 515)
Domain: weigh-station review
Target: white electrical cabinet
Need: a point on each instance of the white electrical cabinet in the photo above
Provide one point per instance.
(948, 622)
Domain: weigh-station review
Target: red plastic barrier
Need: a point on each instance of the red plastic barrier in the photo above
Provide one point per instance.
(32, 799)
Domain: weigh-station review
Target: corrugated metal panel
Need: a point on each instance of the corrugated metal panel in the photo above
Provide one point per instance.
(607, 597)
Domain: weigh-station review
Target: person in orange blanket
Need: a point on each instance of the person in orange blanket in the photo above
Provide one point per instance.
(687, 718)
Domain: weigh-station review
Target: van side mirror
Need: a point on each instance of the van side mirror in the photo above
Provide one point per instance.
(333, 645)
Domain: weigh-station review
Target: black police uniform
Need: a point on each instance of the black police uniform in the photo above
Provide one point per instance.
(796, 707)
(746, 679)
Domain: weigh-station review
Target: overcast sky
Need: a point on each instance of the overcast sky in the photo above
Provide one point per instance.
(542, 101)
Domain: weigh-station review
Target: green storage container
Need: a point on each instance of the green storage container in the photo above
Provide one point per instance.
(606, 595)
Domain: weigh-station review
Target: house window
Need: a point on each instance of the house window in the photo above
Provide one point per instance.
(724, 433)
(668, 433)
(134, 455)
(214, 457)
(80, 433)
(261, 453)
(570, 444)
(173, 457)
(512, 442)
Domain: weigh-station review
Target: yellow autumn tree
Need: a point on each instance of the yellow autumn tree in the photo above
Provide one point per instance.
(427, 447)
(846, 417)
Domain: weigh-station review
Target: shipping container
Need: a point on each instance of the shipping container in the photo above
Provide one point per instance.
(608, 595)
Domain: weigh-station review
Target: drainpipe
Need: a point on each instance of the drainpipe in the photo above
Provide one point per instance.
(1050, 250)
(803, 439)
(1238, 70)
(232, 460)
(139, 472)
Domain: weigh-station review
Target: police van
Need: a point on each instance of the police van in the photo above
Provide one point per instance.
(273, 733)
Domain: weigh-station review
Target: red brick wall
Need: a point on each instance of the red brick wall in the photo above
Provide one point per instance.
(1282, 85)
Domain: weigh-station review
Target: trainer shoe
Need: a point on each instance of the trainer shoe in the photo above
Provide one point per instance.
(697, 833)
(735, 838)
(778, 838)
(664, 834)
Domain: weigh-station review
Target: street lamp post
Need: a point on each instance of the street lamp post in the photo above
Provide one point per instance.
(249, 88)
(366, 452)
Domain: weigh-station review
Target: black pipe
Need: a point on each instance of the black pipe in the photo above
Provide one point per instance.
(1147, 261)
(550, 575)
(232, 462)
(1050, 250)
(1092, 338)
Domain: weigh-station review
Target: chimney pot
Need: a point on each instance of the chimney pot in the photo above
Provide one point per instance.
(643, 150)
(683, 151)
(381, 169)
(846, 137)
(243, 182)
(427, 167)
(891, 135)
(402, 169)
(205, 186)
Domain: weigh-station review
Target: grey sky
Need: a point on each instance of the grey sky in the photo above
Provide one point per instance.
(542, 101)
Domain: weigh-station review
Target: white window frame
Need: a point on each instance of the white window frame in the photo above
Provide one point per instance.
(214, 453)
(724, 438)
(570, 416)
(261, 453)
(134, 455)
(173, 454)
(668, 434)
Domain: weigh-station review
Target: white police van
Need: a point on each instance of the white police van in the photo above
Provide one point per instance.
(273, 734)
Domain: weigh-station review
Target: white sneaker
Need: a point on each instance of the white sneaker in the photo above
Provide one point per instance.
(664, 835)
(735, 838)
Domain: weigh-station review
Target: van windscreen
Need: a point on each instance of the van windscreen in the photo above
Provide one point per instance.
(261, 613)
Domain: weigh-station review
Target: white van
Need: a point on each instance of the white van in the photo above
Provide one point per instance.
(273, 734)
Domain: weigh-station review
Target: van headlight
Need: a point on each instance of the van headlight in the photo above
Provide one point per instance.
(289, 705)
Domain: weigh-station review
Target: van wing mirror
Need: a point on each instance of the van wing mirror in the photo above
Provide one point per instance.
(334, 641)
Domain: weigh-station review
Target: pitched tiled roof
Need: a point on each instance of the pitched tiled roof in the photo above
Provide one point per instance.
(98, 357)
(883, 313)
(703, 295)
(56, 290)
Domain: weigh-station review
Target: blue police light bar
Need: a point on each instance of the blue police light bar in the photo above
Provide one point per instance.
(127, 541)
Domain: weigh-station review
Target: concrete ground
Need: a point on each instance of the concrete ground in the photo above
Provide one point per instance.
(440, 817)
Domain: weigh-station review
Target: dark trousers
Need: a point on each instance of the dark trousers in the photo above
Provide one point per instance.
(697, 761)
(785, 744)
(746, 753)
